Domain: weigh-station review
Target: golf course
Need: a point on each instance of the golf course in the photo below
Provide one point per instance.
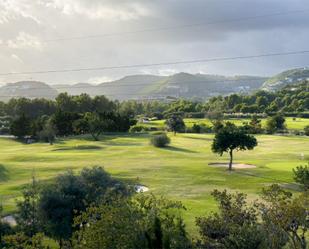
(180, 171)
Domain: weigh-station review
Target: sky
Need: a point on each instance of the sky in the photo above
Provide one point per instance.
(38, 35)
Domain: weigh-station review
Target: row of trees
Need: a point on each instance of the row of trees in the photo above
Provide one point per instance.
(92, 210)
(291, 99)
(274, 124)
(67, 123)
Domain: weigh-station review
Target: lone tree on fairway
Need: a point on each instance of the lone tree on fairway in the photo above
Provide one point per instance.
(175, 123)
(230, 138)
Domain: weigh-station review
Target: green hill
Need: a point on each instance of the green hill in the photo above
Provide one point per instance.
(293, 76)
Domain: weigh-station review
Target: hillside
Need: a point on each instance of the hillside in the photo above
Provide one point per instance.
(293, 76)
(178, 85)
(142, 86)
(27, 89)
(203, 85)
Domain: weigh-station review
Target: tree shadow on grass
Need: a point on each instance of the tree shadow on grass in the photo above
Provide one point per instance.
(200, 138)
(80, 147)
(4, 174)
(176, 149)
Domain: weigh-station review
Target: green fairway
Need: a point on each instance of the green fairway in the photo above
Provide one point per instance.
(180, 172)
(291, 124)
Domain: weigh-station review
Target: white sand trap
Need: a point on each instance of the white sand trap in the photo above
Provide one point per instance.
(9, 220)
(140, 189)
(235, 165)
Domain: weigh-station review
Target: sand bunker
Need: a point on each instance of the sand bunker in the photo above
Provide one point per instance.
(235, 165)
(141, 188)
(9, 220)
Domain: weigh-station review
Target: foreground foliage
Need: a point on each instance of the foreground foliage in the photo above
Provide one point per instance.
(141, 222)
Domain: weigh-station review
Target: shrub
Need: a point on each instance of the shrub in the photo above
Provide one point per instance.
(139, 128)
(196, 128)
(275, 124)
(301, 175)
(199, 128)
(159, 139)
(306, 130)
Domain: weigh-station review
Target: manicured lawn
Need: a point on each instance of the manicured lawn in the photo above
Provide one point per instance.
(297, 124)
(180, 172)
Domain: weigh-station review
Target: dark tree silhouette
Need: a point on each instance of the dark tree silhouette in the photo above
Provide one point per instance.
(230, 138)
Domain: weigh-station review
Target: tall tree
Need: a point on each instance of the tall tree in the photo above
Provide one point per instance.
(175, 123)
(230, 138)
(21, 126)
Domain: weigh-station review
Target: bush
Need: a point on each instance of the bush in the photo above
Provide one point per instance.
(199, 128)
(306, 130)
(142, 128)
(301, 175)
(160, 139)
(275, 124)
(138, 128)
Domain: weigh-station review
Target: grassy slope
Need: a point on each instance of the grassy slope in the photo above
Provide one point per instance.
(180, 171)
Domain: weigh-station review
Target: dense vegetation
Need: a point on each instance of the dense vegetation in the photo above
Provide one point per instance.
(93, 210)
(293, 99)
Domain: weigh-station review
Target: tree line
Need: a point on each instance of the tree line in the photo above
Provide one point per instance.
(68, 115)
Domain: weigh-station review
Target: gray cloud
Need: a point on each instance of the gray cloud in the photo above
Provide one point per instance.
(26, 25)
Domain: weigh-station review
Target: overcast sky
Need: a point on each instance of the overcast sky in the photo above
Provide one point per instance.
(34, 36)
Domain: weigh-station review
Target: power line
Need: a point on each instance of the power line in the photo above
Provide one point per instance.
(158, 64)
(177, 27)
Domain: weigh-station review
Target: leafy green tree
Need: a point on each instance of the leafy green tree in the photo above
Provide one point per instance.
(69, 195)
(66, 103)
(306, 130)
(63, 122)
(96, 124)
(175, 123)
(21, 126)
(301, 175)
(234, 226)
(28, 210)
(230, 138)
(58, 204)
(285, 219)
(139, 222)
(275, 123)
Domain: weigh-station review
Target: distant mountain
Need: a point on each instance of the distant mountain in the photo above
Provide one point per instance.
(130, 87)
(27, 89)
(285, 78)
(178, 85)
(183, 85)
(203, 85)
